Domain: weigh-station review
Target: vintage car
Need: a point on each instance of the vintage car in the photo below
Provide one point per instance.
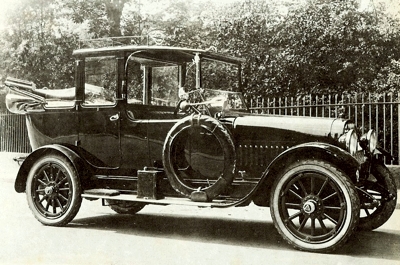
(167, 125)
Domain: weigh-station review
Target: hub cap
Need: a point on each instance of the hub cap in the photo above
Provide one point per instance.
(310, 206)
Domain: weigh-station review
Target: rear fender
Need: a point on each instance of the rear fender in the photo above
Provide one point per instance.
(316, 150)
(79, 164)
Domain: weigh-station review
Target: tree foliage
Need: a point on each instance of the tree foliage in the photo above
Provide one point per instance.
(35, 44)
(318, 47)
(291, 48)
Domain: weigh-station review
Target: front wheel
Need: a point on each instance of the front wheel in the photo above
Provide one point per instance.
(378, 196)
(53, 190)
(315, 206)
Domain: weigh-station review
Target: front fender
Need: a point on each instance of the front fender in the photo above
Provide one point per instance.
(314, 150)
(317, 150)
(80, 165)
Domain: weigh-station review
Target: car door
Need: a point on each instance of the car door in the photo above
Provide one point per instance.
(148, 116)
(99, 134)
(99, 115)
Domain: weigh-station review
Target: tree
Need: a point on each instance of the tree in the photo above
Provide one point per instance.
(248, 31)
(171, 22)
(335, 47)
(290, 47)
(35, 45)
(102, 16)
(317, 47)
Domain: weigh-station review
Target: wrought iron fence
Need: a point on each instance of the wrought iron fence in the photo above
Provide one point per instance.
(13, 134)
(369, 111)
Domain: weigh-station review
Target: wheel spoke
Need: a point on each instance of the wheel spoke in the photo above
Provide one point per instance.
(330, 219)
(292, 205)
(312, 226)
(62, 197)
(62, 181)
(303, 223)
(334, 207)
(42, 182)
(294, 216)
(46, 176)
(323, 186)
(312, 184)
(367, 212)
(295, 194)
(39, 191)
(53, 204)
(47, 205)
(59, 205)
(321, 222)
(302, 187)
(330, 196)
(43, 198)
(57, 175)
(51, 172)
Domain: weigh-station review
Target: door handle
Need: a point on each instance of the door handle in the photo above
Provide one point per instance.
(114, 117)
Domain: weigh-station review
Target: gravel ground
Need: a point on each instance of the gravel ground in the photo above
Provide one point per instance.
(9, 167)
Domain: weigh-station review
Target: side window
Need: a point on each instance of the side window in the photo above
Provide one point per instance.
(152, 85)
(165, 86)
(135, 83)
(100, 81)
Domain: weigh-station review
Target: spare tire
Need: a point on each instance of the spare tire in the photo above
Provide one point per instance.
(199, 156)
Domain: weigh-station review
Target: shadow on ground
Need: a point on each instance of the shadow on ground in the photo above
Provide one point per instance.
(248, 233)
(204, 229)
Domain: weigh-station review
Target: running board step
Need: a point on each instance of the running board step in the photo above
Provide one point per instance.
(164, 201)
(102, 192)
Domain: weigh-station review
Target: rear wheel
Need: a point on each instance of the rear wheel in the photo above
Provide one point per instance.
(378, 195)
(125, 207)
(315, 207)
(53, 190)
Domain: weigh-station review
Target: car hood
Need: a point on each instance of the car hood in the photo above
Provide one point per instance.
(319, 127)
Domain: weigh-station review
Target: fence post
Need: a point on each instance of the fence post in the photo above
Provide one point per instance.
(391, 126)
(398, 126)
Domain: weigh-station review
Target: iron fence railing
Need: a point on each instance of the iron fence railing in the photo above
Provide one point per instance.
(13, 134)
(369, 111)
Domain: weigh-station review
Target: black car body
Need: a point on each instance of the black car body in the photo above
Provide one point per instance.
(140, 127)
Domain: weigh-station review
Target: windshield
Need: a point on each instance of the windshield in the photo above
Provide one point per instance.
(217, 101)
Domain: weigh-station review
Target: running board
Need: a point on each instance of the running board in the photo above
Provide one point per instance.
(102, 192)
(99, 194)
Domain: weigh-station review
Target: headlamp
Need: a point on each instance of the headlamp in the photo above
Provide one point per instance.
(372, 140)
(352, 141)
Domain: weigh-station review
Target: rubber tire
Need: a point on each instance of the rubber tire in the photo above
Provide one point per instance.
(74, 198)
(386, 209)
(225, 139)
(340, 181)
(128, 209)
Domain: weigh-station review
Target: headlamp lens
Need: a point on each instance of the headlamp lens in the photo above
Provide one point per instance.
(352, 141)
(372, 140)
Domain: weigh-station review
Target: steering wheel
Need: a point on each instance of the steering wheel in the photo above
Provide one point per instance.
(185, 107)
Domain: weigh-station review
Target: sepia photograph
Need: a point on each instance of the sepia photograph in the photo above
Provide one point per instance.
(196, 132)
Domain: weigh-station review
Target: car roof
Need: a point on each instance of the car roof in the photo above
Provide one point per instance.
(163, 55)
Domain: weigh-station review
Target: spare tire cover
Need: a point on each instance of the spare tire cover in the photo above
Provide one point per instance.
(199, 155)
